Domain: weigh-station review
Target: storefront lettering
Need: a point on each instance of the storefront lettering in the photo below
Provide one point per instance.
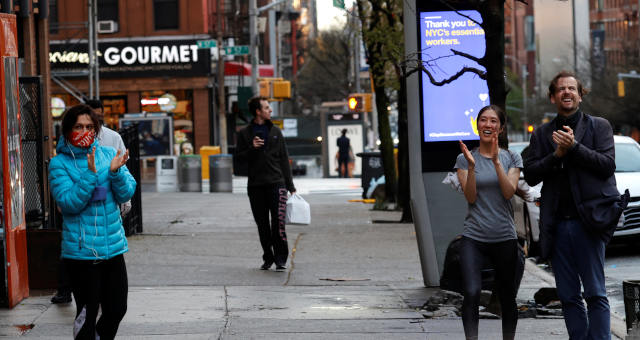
(70, 57)
(152, 54)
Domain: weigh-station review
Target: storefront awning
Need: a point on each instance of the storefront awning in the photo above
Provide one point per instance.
(234, 68)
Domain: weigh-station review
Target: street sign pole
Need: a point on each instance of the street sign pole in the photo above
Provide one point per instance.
(253, 36)
(273, 43)
(222, 114)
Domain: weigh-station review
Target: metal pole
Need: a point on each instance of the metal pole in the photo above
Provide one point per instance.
(575, 47)
(357, 53)
(253, 37)
(90, 39)
(273, 47)
(222, 113)
(524, 99)
(96, 62)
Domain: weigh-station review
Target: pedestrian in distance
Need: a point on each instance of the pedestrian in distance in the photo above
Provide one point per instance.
(344, 154)
(108, 137)
(489, 176)
(88, 182)
(262, 146)
(574, 156)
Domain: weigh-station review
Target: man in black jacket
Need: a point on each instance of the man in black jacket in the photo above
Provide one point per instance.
(574, 155)
(262, 146)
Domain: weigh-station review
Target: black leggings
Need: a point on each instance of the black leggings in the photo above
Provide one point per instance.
(504, 257)
(270, 200)
(101, 284)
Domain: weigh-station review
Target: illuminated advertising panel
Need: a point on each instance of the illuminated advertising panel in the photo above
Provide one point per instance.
(449, 112)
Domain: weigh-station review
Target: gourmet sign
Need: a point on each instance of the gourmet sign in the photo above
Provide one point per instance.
(143, 58)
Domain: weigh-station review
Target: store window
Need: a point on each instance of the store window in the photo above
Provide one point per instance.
(114, 103)
(53, 16)
(178, 104)
(108, 10)
(166, 14)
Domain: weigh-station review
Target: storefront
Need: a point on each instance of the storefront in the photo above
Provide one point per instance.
(157, 74)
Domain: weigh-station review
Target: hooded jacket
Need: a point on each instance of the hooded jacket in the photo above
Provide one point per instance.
(268, 164)
(91, 228)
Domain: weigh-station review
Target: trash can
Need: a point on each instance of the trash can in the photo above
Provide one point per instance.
(371, 169)
(167, 174)
(631, 293)
(189, 173)
(205, 152)
(221, 173)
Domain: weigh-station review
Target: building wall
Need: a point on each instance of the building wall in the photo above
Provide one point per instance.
(518, 53)
(619, 20)
(136, 18)
(136, 22)
(555, 48)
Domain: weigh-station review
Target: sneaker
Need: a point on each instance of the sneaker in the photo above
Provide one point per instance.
(266, 266)
(61, 298)
(280, 268)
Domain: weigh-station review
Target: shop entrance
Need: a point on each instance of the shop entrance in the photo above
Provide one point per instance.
(15, 284)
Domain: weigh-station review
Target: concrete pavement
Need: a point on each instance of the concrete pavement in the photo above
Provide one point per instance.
(193, 274)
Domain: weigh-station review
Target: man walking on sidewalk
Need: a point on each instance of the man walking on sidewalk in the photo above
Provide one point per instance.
(262, 146)
(574, 155)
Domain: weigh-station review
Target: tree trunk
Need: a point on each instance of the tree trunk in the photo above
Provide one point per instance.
(492, 12)
(386, 143)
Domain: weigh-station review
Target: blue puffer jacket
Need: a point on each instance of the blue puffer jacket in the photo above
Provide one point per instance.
(92, 230)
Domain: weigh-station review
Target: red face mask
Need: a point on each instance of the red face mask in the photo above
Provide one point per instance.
(82, 139)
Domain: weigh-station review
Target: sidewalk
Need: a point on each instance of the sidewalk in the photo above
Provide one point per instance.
(193, 274)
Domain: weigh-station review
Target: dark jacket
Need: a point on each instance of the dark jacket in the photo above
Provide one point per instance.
(268, 164)
(590, 165)
(344, 147)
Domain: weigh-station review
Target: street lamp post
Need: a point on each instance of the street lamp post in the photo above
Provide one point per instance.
(253, 36)
(254, 11)
(525, 73)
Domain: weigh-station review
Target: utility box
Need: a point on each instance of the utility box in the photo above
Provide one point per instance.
(167, 174)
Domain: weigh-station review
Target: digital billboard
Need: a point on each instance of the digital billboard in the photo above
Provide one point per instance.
(449, 112)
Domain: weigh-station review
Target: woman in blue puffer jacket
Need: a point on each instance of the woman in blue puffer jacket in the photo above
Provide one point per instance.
(88, 182)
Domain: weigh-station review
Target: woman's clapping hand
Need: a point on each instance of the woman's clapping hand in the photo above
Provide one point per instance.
(118, 160)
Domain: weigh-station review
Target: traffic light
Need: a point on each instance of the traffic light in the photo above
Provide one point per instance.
(274, 88)
(281, 89)
(530, 128)
(359, 102)
(356, 103)
(264, 88)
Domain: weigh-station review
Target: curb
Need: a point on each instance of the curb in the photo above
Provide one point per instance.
(618, 325)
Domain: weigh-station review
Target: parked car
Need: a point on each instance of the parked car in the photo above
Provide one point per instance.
(526, 214)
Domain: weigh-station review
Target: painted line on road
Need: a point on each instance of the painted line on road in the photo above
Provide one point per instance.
(293, 256)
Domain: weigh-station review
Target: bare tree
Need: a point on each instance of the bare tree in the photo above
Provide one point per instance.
(324, 76)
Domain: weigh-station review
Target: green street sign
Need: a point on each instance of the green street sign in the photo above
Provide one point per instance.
(338, 3)
(236, 50)
(206, 43)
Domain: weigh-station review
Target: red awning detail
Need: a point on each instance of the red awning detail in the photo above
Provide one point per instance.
(234, 68)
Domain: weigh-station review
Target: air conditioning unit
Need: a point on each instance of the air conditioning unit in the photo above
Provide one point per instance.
(107, 26)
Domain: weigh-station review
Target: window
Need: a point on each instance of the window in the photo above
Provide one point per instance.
(529, 33)
(108, 10)
(53, 16)
(165, 14)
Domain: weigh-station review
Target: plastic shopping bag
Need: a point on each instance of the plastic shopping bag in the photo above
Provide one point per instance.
(298, 211)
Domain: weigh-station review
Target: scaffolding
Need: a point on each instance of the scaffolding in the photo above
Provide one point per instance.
(93, 71)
